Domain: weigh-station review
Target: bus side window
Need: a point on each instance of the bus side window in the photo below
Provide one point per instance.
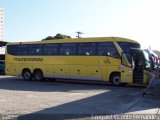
(35, 49)
(50, 49)
(107, 49)
(12, 49)
(68, 49)
(87, 49)
(22, 49)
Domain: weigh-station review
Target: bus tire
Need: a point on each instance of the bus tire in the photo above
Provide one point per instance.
(115, 79)
(26, 74)
(38, 75)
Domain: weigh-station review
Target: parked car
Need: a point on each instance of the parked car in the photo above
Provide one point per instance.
(2, 67)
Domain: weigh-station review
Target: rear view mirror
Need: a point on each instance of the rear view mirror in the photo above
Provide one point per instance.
(126, 59)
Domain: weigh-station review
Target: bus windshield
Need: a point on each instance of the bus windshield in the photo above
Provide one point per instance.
(126, 46)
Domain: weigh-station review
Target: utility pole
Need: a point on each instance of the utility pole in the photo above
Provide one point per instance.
(78, 34)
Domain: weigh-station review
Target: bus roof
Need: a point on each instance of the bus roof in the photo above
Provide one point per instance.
(76, 40)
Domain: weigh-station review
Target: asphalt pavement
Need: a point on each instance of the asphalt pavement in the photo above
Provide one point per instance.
(25, 100)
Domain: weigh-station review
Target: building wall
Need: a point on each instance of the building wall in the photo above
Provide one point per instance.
(1, 23)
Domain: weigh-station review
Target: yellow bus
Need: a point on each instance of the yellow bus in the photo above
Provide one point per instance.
(105, 59)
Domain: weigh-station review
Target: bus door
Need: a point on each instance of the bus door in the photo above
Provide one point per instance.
(141, 66)
(138, 66)
(126, 68)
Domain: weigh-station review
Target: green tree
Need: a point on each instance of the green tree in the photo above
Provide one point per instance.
(58, 36)
(49, 38)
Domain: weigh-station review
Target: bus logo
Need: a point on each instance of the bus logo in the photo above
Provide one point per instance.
(29, 59)
(106, 61)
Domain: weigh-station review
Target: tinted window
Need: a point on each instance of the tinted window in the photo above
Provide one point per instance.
(107, 49)
(127, 47)
(12, 49)
(22, 50)
(1, 62)
(68, 49)
(35, 49)
(50, 49)
(87, 49)
(2, 57)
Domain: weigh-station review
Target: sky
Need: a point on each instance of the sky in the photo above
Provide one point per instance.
(33, 20)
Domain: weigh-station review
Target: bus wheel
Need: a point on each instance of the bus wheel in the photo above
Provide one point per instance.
(115, 79)
(38, 75)
(27, 74)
